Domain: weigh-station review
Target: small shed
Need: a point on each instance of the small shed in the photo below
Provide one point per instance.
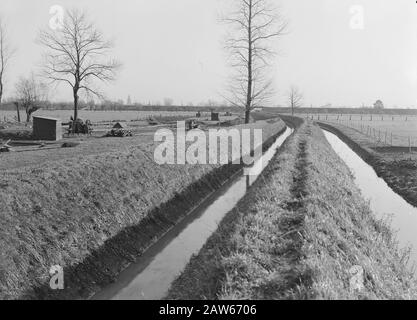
(121, 125)
(215, 116)
(45, 128)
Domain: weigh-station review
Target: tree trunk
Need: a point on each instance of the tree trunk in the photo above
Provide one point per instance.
(1, 90)
(249, 93)
(18, 111)
(75, 103)
(247, 116)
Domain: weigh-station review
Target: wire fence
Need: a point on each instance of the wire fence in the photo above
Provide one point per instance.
(381, 129)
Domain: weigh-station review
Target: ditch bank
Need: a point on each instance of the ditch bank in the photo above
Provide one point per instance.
(401, 176)
(151, 276)
(302, 232)
(94, 216)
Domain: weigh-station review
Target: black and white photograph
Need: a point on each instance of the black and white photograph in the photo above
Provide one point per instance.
(210, 157)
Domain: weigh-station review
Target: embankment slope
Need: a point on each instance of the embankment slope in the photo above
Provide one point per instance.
(302, 232)
(93, 215)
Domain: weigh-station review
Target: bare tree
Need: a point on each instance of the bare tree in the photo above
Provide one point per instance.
(6, 53)
(77, 55)
(253, 26)
(30, 94)
(295, 98)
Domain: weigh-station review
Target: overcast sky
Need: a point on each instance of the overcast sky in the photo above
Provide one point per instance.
(174, 48)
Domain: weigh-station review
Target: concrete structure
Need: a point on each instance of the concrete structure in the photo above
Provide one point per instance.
(45, 128)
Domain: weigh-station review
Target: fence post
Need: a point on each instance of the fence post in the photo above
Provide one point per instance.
(409, 144)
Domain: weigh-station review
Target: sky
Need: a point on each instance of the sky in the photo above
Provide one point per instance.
(344, 52)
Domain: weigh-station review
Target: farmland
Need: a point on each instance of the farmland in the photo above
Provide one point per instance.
(297, 234)
(101, 116)
(383, 129)
(116, 173)
(240, 150)
(92, 211)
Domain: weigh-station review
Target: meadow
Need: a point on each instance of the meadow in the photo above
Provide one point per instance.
(98, 116)
(384, 129)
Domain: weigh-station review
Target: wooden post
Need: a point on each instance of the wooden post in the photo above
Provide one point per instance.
(409, 144)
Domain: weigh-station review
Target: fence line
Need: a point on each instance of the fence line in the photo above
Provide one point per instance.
(380, 136)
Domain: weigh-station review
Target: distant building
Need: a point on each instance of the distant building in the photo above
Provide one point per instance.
(258, 109)
(378, 105)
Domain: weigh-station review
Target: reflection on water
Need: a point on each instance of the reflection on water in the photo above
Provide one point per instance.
(151, 277)
(383, 200)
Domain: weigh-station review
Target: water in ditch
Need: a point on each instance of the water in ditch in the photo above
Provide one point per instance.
(383, 200)
(151, 276)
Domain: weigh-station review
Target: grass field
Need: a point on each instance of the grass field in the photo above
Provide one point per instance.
(395, 130)
(99, 116)
(92, 209)
(299, 234)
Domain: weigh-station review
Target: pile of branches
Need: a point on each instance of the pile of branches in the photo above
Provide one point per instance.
(121, 133)
(4, 147)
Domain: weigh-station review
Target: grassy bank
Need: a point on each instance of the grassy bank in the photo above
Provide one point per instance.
(93, 214)
(300, 233)
(396, 167)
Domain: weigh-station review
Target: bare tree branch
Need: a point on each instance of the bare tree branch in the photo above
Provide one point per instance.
(30, 93)
(6, 54)
(295, 98)
(76, 55)
(253, 25)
